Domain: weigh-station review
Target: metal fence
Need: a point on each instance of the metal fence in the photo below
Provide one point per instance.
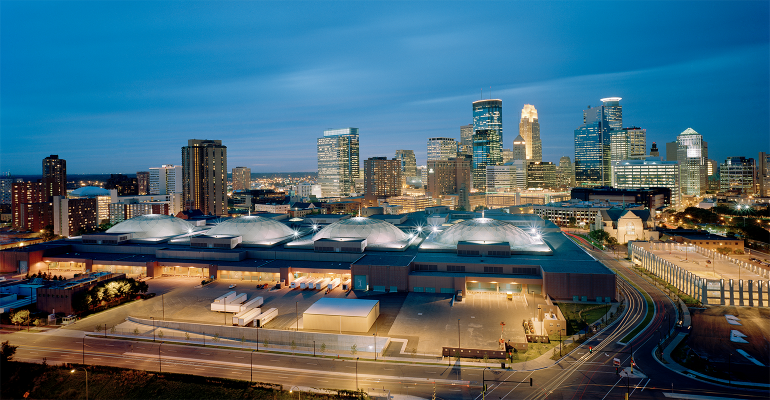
(330, 343)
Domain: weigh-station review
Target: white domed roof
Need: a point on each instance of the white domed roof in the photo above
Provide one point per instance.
(252, 229)
(375, 231)
(89, 191)
(153, 225)
(486, 229)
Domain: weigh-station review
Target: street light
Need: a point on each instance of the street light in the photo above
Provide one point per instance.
(356, 373)
(483, 384)
(299, 394)
(251, 367)
(86, 371)
(160, 362)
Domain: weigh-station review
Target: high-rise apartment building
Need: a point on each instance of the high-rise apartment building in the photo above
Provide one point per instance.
(541, 175)
(593, 143)
(338, 161)
(649, 173)
(166, 179)
(519, 148)
(466, 140)
(204, 176)
(31, 206)
(55, 175)
(692, 154)
(450, 177)
(440, 148)
(6, 188)
(74, 216)
(508, 177)
(565, 173)
(241, 179)
(487, 139)
(408, 163)
(737, 173)
(143, 182)
(382, 177)
(529, 130)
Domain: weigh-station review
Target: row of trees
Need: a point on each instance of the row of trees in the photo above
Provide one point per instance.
(107, 292)
(46, 275)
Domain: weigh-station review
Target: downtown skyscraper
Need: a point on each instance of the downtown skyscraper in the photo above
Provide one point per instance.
(487, 139)
(592, 143)
(338, 161)
(204, 176)
(529, 130)
(692, 154)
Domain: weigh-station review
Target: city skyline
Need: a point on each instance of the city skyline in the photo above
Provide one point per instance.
(95, 89)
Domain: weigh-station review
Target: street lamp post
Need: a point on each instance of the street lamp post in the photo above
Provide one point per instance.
(356, 373)
(483, 384)
(86, 371)
(153, 328)
(251, 367)
(160, 362)
(299, 394)
(296, 313)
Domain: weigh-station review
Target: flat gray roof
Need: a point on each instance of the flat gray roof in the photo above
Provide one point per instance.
(342, 307)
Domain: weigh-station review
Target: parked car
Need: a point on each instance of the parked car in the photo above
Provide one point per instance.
(231, 286)
(459, 296)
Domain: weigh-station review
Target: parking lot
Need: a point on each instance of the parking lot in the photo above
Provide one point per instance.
(432, 321)
(427, 321)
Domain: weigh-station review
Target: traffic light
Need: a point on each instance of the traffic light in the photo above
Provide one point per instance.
(590, 349)
(530, 381)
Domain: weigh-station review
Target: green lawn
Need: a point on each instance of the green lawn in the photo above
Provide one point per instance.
(55, 382)
(571, 311)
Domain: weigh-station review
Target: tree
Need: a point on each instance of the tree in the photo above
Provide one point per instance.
(323, 348)
(20, 317)
(599, 236)
(47, 233)
(480, 208)
(353, 350)
(7, 351)
(571, 221)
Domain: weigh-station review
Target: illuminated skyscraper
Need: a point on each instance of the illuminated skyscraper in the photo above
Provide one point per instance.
(204, 176)
(466, 140)
(441, 148)
(519, 148)
(529, 130)
(143, 182)
(382, 177)
(338, 161)
(55, 176)
(648, 173)
(241, 178)
(692, 154)
(166, 179)
(737, 173)
(592, 143)
(408, 163)
(487, 139)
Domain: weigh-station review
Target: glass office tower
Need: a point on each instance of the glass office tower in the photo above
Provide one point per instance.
(592, 143)
(692, 155)
(487, 139)
(529, 130)
(338, 162)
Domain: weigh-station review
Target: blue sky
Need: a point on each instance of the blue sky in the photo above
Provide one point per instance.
(121, 86)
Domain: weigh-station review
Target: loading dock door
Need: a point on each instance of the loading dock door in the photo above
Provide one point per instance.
(480, 287)
(359, 282)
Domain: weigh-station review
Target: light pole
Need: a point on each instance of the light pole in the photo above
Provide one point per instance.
(257, 338)
(153, 328)
(299, 394)
(251, 367)
(375, 346)
(296, 313)
(86, 371)
(163, 304)
(483, 384)
(356, 373)
(84, 349)
(160, 362)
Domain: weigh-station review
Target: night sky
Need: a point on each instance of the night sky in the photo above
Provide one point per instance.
(121, 86)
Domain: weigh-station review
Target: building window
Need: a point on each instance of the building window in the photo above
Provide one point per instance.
(455, 268)
(630, 228)
(493, 270)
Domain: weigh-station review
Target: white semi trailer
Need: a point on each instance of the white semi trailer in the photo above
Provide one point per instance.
(244, 318)
(255, 302)
(333, 284)
(266, 317)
